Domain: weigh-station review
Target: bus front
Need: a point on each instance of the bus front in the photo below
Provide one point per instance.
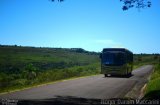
(113, 63)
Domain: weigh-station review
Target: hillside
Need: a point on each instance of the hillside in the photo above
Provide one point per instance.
(25, 66)
(13, 58)
(22, 67)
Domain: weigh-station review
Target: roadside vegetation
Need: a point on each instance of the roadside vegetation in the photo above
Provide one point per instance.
(153, 87)
(22, 67)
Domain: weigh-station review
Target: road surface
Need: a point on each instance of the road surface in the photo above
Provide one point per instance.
(93, 87)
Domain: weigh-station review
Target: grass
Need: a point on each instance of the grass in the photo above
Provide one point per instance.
(51, 76)
(24, 67)
(14, 89)
(153, 87)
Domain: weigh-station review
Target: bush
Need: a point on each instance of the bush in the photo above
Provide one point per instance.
(154, 85)
(31, 71)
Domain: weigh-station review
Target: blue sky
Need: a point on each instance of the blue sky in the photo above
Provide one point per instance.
(89, 24)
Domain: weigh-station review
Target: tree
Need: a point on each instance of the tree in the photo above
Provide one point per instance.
(57, 0)
(135, 3)
(129, 3)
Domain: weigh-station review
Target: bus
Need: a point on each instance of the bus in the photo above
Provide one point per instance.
(116, 61)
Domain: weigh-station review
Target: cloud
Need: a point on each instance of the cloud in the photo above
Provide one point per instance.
(109, 43)
(105, 41)
(118, 46)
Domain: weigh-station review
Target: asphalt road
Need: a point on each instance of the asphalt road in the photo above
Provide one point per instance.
(93, 87)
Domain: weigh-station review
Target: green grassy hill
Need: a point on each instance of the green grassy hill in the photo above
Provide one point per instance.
(15, 58)
(24, 66)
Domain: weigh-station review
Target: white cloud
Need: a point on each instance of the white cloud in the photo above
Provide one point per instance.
(118, 46)
(109, 43)
(105, 41)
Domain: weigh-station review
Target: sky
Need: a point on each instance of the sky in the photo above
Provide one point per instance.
(88, 24)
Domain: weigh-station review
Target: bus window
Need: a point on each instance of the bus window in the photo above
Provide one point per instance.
(113, 58)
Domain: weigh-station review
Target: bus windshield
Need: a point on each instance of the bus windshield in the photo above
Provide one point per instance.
(113, 58)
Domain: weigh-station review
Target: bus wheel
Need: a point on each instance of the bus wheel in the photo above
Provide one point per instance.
(105, 75)
(127, 72)
(130, 74)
